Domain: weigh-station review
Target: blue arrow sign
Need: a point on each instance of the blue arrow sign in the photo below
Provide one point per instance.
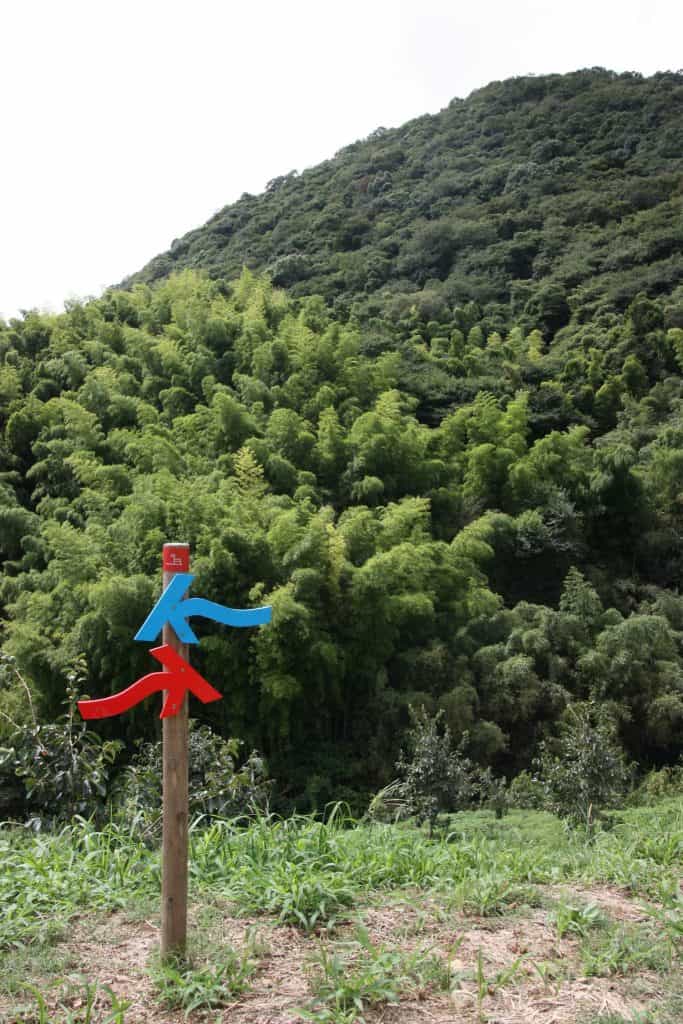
(172, 609)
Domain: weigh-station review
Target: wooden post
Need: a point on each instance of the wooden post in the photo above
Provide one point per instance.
(176, 558)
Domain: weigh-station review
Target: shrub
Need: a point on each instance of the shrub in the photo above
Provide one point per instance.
(527, 792)
(587, 771)
(436, 776)
(63, 767)
(494, 793)
(217, 788)
(659, 784)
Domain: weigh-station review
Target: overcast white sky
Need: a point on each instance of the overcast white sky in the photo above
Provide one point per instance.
(124, 124)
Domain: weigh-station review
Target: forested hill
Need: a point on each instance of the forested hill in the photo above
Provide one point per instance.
(450, 495)
(550, 198)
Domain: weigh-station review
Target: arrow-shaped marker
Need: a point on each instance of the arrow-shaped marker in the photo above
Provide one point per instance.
(172, 609)
(176, 681)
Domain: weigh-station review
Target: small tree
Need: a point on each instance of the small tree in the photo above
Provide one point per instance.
(436, 776)
(587, 771)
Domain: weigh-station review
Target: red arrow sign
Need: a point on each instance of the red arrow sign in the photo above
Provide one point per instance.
(179, 678)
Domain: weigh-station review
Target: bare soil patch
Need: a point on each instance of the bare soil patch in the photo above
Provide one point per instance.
(116, 952)
(615, 902)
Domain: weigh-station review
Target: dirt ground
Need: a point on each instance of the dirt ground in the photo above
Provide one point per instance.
(116, 951)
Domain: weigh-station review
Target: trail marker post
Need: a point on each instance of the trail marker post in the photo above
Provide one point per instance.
(169, 617)
(175, 558)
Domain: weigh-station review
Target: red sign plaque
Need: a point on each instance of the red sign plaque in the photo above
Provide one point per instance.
(176, 558)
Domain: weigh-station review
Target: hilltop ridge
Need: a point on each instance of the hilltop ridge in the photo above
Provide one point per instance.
(550, 197)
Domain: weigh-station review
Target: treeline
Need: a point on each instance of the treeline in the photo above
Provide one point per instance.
(440, 513)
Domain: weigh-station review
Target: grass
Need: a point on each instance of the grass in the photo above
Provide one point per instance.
(359, 974)
(319, 877)
(45, 879)
(86, 1004)
(576, 919)
(206, 986)
(620, 949)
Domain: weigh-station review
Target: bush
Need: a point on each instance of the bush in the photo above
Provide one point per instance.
(527, 793)
(436, 776)
(62, 767)
(216, 787)
(587, 771)
(493, 791)
(659, 784)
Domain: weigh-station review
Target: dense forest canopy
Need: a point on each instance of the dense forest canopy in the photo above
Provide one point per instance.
(544, 199)
(441, 433)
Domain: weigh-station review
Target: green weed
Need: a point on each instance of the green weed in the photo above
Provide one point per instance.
(669, 919)
(489, 984)
(491, 894)
(192, 988)
(622, 949)
(86, 1008)
(616, 1018)
(576, 919)
(40, 959)
(46, 878)
(550, 971)
(346, 981)
(341, 986)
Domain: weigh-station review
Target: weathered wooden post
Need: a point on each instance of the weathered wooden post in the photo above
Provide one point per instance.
(169, 617)
(176, 558)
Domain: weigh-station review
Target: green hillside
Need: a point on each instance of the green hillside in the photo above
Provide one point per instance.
(547, 198)
(454, 468)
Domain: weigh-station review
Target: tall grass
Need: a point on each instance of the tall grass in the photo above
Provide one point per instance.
(311, 873)
(45, 878)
